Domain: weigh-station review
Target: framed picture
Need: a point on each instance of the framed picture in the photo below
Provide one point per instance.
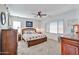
(29, 24)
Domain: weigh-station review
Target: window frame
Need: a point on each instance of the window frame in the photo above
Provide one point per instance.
(13, 24)
(50, 26)
(58, 21)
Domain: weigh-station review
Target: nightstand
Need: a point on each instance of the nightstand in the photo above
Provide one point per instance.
(19, 37)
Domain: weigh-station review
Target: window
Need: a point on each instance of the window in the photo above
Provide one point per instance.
(53, 27)
(56, 27)
(16, 24)
(60, 27)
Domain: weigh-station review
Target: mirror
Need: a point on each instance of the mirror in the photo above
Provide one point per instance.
(3, 18)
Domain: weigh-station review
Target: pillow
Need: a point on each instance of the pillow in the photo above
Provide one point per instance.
(29, 32)
(25, 32)
(32, 32)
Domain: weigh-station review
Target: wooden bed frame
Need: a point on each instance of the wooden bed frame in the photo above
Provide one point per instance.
(34, 42)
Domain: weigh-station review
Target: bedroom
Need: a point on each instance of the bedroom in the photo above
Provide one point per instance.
(46, 22)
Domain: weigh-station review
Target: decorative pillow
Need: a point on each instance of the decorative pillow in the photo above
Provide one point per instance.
(25, 32)
(29, 32)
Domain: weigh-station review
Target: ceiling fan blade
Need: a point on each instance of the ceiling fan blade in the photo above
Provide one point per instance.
(34, 14)
(43, 14)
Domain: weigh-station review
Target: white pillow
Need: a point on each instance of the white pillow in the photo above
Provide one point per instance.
(25, 32)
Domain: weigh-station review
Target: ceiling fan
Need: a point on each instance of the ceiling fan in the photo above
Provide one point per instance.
(39, 14)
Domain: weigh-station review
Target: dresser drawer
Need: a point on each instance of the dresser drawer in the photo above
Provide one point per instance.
(68, 41)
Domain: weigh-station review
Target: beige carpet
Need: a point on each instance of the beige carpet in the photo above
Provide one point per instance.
(53, 47)
(50, 47)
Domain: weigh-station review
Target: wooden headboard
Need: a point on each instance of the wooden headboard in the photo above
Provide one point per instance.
(28, 29)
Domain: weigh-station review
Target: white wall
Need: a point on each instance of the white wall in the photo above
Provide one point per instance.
(3, 9)
(23, 21)
(77, 11)
(69, 17)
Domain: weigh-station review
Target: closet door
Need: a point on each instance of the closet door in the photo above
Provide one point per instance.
(9, 42)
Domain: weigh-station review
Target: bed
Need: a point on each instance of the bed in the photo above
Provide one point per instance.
(31, 37)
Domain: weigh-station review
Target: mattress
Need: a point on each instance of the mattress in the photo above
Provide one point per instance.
(28, 37)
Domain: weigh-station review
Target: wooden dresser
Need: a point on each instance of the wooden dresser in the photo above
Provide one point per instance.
(69, 46)
(8, 42)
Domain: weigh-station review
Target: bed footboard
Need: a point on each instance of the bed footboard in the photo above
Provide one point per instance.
(35, 42)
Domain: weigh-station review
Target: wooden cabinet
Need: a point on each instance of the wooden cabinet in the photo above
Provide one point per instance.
(9, 42)
(69, 46)
(69, 50)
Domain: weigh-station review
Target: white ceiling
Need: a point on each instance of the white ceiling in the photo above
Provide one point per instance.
(27, 10)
